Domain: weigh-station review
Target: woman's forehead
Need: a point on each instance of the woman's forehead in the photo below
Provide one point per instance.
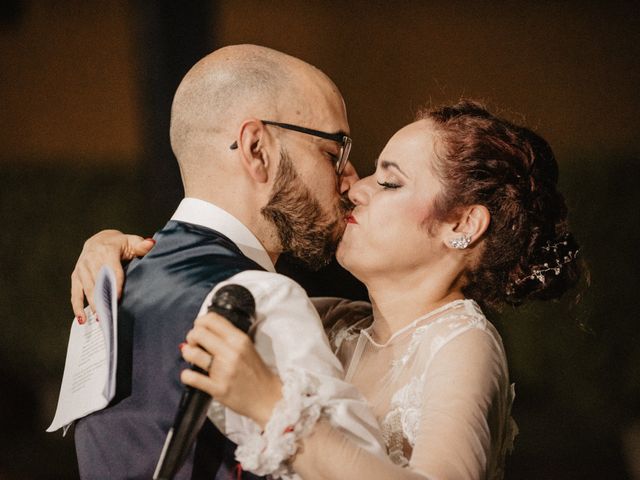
(412, 144)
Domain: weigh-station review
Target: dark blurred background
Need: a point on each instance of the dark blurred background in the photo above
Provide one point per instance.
(85, 91)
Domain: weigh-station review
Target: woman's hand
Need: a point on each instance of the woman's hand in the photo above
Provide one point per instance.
(108, 247)
(238, 378)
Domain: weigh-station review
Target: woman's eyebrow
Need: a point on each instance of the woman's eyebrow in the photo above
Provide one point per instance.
(387, 164)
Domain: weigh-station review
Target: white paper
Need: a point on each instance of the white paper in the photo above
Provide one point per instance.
(88, 382)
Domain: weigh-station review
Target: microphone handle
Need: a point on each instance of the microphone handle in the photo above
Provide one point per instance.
(237, 305)
(192, 412)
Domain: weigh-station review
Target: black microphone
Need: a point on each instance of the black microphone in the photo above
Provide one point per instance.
(237, 305)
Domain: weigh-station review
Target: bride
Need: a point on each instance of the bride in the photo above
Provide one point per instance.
(461, 215)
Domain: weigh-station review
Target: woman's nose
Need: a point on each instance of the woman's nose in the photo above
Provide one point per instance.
(359, 192)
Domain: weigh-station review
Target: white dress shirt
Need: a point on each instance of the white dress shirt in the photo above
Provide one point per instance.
(199, 212)
(288, 334)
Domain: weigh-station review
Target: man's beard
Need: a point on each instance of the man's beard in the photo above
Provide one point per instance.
(306, 231)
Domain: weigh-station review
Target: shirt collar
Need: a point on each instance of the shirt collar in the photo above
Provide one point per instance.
(199, 212)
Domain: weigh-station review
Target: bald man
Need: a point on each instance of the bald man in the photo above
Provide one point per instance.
(262, 144)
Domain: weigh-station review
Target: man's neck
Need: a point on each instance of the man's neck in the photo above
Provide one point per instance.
(245, 232)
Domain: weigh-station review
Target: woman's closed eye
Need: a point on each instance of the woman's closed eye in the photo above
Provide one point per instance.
(389, 185)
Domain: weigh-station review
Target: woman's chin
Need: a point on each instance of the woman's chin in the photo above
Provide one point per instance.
(345, 258)
(340, 255)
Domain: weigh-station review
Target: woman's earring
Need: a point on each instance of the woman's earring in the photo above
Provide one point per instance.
(461, 242)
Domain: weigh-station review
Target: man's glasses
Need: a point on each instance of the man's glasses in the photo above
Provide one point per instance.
(342, 139)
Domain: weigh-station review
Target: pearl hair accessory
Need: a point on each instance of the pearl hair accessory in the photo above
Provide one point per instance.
(538, 272)
(461, 242)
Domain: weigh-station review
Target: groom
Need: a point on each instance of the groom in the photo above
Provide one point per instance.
(260, 138)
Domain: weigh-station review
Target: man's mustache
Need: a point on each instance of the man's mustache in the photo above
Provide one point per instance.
(346, 205)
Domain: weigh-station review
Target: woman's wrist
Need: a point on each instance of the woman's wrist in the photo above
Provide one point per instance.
(269, 398)
(268, 451)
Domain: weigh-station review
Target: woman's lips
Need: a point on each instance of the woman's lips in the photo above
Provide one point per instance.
(351, 219)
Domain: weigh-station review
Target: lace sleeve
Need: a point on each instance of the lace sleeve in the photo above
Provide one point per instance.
(462, 425)
(465, 426)
(267, 453)
(461, 431)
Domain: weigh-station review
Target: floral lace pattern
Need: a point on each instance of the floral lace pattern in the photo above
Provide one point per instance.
(400, 425)
(413, 346)
(347, 334)
(267, 453)
(396, 387)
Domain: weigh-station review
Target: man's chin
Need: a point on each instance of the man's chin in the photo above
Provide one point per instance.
(312, 264)
(321, 256)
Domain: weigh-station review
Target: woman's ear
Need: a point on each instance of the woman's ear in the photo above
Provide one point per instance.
(251, 144)
(472, 224)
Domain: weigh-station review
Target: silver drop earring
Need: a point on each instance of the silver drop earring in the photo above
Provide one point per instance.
(461, 242)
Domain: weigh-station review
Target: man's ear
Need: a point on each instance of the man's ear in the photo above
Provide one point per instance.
(252, 141)
(472, 223)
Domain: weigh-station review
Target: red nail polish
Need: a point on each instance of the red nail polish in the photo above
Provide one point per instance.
(151, 240)
(80, 320)
(182, 345)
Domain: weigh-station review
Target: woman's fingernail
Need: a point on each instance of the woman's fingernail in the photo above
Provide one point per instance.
(151, 240)
(182, 345)
(80, 320)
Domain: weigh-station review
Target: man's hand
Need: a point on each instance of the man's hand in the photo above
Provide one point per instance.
(238, 378)
(108, 247)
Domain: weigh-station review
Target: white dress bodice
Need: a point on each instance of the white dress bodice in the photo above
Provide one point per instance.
(439, 387)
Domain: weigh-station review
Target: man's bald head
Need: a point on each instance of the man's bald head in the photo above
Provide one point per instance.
(234, 83)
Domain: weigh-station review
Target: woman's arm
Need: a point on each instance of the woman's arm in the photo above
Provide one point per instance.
(465, 410)
(108, 247)
(460, 418)
(461, 429)
(326, 454)
(239, 379)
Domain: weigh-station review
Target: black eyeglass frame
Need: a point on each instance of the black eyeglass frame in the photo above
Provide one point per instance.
(341, 138)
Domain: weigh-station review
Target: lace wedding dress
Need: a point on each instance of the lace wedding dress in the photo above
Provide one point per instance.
(439, 387)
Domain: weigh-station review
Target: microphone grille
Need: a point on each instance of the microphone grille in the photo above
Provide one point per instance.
(234, 297)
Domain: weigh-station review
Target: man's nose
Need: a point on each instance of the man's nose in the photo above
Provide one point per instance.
(348, 178)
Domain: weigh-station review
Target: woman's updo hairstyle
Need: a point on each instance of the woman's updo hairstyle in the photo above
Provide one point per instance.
(481, 159)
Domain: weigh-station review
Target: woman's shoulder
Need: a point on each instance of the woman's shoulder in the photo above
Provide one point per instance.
(461, 314)
(463, 317)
